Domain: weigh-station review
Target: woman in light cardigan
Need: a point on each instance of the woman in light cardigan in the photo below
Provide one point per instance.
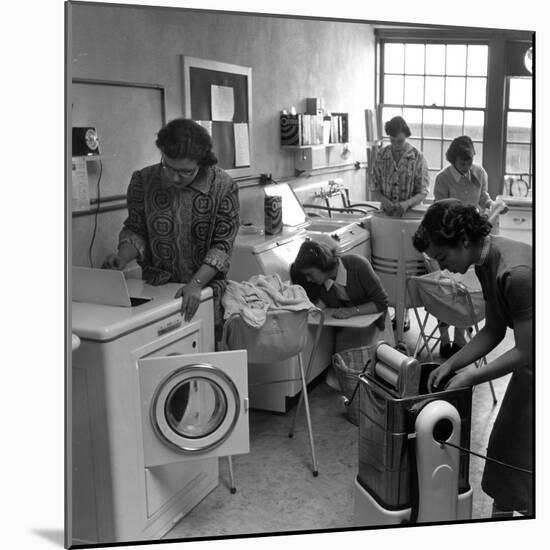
(467, 182)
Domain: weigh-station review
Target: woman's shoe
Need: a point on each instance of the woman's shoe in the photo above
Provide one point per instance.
(455, 347)
(446, 350)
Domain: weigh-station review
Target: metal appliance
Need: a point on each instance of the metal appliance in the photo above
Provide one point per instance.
(405, 474)
(394, 258)
(153, 407)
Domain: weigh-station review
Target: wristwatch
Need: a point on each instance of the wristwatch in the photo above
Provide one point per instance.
(198, 281)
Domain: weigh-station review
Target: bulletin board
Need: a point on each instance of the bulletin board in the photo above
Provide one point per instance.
(127, 117)
(219, 97)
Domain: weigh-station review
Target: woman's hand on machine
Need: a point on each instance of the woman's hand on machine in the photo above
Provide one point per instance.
(190, 299)
(460, 380)
(114, 261)
(438, 376)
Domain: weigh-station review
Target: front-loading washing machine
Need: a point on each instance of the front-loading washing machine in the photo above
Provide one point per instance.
(152, 408)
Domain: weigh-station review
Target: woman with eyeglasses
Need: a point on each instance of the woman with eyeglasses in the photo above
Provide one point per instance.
(400, 178)
(183, 216)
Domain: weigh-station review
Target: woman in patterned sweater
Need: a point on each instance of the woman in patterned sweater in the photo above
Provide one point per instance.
(400, 176)
(183, 216)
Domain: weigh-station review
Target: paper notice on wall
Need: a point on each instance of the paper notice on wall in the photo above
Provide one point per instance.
(80, 193)
(206, 124)
(223, 102)
(242, 144)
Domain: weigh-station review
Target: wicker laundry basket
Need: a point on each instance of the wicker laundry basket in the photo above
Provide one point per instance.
(349, 364)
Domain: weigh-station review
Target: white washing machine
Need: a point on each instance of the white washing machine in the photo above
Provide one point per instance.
(153, 407)
(255, 254)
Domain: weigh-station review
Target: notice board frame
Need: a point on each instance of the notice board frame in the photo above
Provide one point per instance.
(198, 77)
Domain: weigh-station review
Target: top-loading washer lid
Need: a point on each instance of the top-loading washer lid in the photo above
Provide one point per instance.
(100, 286)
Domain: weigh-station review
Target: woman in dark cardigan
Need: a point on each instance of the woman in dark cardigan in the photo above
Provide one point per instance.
(347, 283)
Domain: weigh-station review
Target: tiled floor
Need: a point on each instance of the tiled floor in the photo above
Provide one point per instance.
(276, 489)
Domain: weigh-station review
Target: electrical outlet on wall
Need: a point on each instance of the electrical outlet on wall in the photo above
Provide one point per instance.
(80, 192)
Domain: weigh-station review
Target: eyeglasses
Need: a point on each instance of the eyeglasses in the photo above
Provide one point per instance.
(173, 172)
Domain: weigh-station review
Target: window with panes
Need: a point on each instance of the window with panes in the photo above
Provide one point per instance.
(518, 146)
(440, 89)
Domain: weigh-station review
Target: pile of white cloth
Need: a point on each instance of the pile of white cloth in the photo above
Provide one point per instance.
(252, 299)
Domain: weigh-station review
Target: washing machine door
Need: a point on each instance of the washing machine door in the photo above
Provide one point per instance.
(194, 406)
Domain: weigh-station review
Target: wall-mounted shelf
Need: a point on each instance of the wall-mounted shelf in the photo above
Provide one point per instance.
(89, 158)
(312, 157)
(315, 136)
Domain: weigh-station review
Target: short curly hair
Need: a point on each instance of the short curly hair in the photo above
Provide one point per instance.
(447, 222)
(462, 148)
(396, 126)
(318, 255)
(183, 138)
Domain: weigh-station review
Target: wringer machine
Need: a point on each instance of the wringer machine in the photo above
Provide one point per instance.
(406, 475)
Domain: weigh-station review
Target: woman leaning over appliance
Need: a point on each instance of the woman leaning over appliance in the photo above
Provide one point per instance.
(347, 283)
(183, 216)
(457, 236)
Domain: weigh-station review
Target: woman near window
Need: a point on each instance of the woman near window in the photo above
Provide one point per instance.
(400, 173)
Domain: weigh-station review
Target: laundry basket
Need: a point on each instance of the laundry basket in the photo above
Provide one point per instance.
(349, 364)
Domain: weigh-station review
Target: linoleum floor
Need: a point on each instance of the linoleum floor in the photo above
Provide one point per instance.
(276, 491)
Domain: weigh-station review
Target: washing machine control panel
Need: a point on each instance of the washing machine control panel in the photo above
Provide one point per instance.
(169, 326)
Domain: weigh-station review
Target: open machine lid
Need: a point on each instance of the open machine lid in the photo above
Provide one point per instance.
(294, 215)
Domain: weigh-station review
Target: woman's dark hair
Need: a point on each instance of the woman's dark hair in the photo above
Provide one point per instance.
(460, 148)
(313, 291)
(318, 255)
(447, 222)
(397, 125)
(183, 138)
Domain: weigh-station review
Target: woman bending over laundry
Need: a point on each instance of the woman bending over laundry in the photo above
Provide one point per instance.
(458, 236)
(347, 283)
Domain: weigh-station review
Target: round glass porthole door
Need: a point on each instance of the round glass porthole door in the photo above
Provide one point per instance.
(195, 408)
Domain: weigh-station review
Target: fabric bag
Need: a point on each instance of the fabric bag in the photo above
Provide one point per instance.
(283, 335)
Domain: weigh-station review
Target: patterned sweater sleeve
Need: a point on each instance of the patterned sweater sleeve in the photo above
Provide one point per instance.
(134, 229)
(377, 173)
(421, 176)
(226, 226)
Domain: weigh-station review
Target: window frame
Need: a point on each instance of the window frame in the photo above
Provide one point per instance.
(381, 41)
(506, 142)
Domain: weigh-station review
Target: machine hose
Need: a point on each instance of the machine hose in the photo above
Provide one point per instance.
(347, 402)
(485, 457)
